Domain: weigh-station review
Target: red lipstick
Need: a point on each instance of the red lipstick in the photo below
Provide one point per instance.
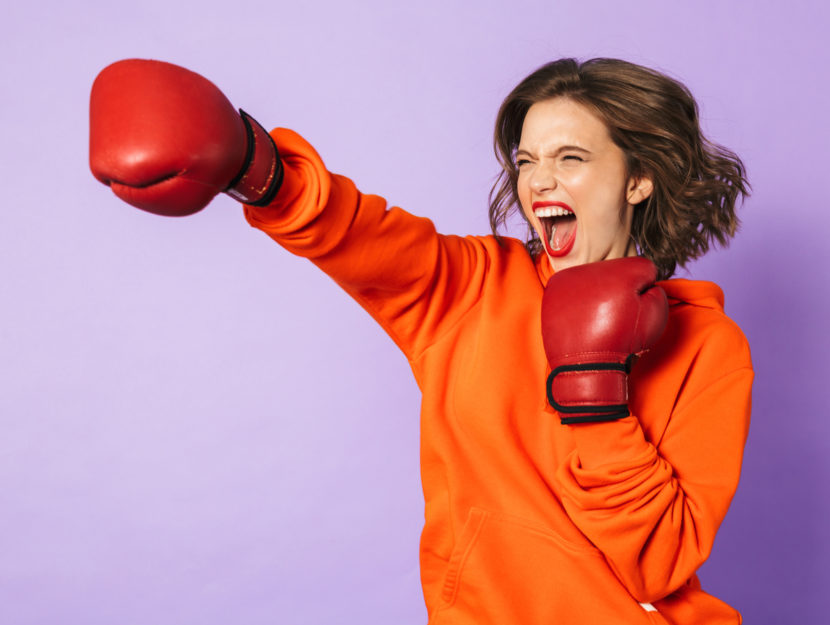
(536, 205)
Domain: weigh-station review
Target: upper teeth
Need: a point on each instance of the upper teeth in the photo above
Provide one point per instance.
(552, 211)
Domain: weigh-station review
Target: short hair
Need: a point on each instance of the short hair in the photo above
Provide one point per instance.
(654, 120)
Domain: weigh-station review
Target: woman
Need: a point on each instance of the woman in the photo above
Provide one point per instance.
(565, 481)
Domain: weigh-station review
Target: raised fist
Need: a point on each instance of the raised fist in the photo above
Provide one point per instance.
(167, 140)
(595, 319)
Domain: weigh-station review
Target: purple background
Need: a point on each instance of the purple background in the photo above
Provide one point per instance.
(196, 427)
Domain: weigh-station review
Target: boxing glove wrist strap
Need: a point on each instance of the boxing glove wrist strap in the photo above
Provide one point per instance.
(589, 392)
(260, 178)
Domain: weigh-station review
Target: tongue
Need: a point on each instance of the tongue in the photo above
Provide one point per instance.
(563, 227)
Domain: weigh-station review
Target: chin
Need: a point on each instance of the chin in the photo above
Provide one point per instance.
(572, 260)
(563, 262)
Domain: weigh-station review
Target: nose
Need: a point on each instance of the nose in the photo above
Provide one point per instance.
(543, 179)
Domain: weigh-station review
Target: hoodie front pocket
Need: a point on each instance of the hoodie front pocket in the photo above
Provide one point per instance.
(506, 570)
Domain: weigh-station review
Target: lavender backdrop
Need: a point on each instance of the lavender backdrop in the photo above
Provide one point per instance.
(196, 427)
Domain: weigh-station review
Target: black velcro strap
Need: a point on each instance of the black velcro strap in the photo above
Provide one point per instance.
(276, 180)
(250, 142)
(588, 414)
(594, 418)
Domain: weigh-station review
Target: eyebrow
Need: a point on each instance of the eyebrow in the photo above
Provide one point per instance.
(564, 148)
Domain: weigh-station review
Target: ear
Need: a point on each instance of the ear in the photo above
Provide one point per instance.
(639, 189)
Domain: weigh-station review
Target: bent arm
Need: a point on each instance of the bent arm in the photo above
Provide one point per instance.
(651, 506)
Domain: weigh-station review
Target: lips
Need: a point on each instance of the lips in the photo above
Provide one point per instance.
(559, 226)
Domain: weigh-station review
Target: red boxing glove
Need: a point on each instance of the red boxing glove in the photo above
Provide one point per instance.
(595, 319)
(166, 140)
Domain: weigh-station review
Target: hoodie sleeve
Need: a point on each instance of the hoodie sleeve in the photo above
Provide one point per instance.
(651, 490)
(412, 280)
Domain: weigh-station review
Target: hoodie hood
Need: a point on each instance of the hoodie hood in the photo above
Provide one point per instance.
(679, 290)
(695, 292)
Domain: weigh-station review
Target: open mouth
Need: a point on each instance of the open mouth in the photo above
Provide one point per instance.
(559, 225)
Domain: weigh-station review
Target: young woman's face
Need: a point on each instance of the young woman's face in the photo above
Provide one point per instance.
(573, 185)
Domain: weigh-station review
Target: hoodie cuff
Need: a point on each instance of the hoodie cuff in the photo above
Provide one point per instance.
(615, 442)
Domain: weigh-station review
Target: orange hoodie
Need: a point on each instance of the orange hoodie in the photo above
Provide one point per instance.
(527, 521)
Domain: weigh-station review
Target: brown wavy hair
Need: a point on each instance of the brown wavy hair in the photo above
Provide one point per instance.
(654, 120)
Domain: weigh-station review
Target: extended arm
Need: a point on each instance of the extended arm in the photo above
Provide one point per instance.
(167, 140)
